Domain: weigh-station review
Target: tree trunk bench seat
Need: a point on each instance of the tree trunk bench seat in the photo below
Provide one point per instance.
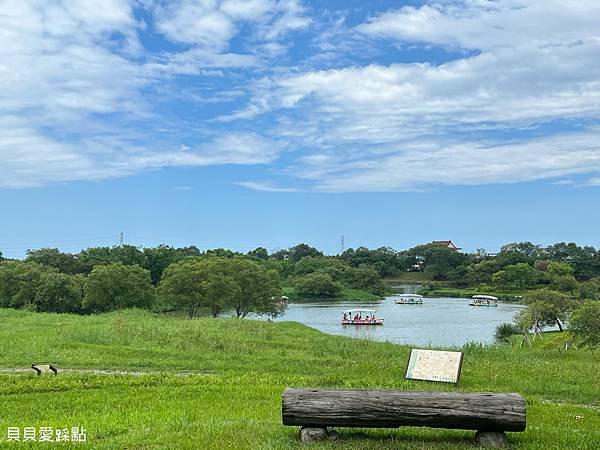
(491, 414)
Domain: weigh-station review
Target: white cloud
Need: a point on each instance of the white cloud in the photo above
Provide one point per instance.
(74, 83)
(28, 158)
(197, 61)
(402, 126)
(50, 59)
(265, 186)
(436, 163)
(196, 22)
(233, 148)
(247, 9)
(489, 24)
(212, 24)
(390, 102)
(290, 16)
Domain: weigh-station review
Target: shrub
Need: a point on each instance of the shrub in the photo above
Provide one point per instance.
(505, 330)
(318, 284)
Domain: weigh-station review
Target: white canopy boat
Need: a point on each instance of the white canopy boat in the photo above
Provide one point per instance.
(484, 300)
(408, 299)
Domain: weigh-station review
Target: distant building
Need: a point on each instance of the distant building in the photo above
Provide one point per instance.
(447, 244)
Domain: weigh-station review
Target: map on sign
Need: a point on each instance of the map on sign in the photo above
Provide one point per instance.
(434, 365)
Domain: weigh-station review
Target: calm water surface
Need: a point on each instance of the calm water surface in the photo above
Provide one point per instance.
(437, 322)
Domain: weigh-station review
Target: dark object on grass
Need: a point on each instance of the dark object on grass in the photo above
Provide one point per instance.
(44, 368)
(481, 411)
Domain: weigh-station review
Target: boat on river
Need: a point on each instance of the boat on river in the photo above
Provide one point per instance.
(408, 299)
(360, 316)
(484, 300)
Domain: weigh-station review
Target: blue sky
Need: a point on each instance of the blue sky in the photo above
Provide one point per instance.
(271, 122)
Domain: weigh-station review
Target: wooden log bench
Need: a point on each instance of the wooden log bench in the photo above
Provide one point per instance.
(490, 414)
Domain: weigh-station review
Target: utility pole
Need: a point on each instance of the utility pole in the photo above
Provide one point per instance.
(343, 246)
(121, 239)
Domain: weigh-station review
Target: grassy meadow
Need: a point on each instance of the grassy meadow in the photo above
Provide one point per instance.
(146, 381)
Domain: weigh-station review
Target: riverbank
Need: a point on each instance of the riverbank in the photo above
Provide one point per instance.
(221, 380)
(510, 296)
(355, 295)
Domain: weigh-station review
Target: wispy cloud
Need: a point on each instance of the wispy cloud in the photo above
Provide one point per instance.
(434, 163)
(265, 186)
(78, 90)
(87, 93)
(411, 125)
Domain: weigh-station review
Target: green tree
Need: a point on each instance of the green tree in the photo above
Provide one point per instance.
(482, 272)
(558, 269)
(385, 260)
(19, 282)
(64, 262)
(92, 257)
(297, 252)
(552, 307)
(184, 286)
(585, 324)
(517, 252)
(565, 283)
(257, 291)
(258, 253)
(220, 283)
(157, 259)
(318, 284)
(9, 282)
(585, 260)
(59, 293)
(128, 255)
(516, 276)
(440, 262)
(116, 286)
(331, 265)
(27, 284)
(365, 278)
(561, 277)
(532, 318)
(590, 289)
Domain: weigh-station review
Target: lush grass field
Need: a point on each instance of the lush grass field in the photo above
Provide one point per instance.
(217, 383)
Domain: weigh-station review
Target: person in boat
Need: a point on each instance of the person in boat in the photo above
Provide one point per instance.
(345, 316)
(356, 317)
(367, 318)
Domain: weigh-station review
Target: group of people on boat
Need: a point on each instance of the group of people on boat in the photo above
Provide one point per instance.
(358, 316)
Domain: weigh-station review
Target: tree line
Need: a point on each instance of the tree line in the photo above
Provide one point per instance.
(101, 279)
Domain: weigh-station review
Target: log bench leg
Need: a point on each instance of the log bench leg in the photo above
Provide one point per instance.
(310, 435)
(495, 439)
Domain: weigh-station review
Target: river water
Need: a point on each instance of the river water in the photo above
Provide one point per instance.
(442, 322)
